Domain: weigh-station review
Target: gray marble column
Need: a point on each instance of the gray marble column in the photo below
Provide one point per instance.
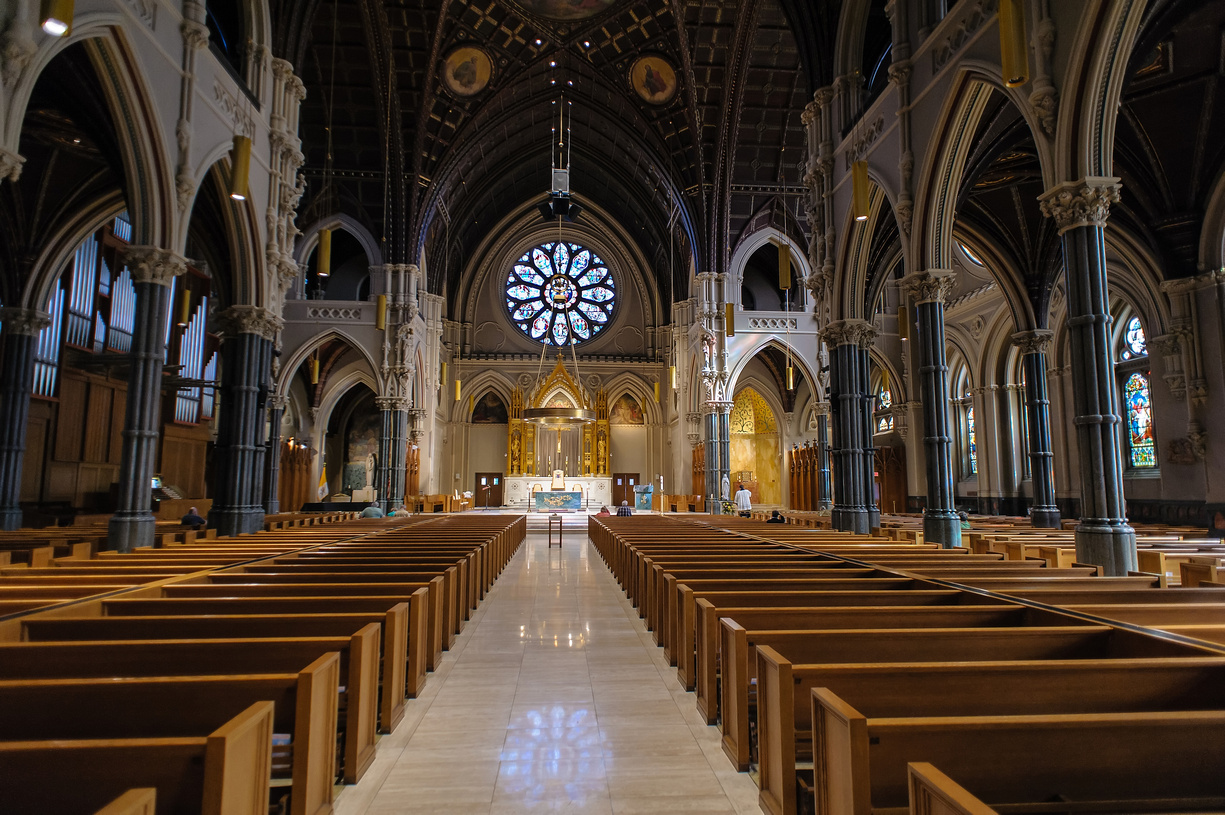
(246, 360)
(867, 419)
(21, 327)
(710, 438)
(153, 272)
(1034, 346)
(1080, 210)
(848, 341)
(272, 455)
(724, 421)
(929, 290)
(392, 452)
(825, 498)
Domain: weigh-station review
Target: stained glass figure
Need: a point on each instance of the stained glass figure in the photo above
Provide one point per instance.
(972, 439)
(1139, 409)
(560, 293)
(1134, 340)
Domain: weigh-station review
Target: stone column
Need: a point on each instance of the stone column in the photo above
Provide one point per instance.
(1080, 210)
(929, 290)
(153, 272)
(1044, 513)
(713, 469)
(272, 456)
(867, 406)
(825, 498)
(848, 341)
(724, 414)
(21, 328)
(392, 452)
(246, 362)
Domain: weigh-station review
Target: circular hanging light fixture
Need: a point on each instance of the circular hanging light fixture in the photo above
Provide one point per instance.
(560, 417)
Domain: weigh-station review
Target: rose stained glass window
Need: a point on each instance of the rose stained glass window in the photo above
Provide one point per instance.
(560, 293)
(1139, 409)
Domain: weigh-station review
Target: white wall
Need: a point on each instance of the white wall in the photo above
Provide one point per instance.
(629, 451)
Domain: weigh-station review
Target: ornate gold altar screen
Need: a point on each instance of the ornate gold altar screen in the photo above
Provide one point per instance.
(537, 450)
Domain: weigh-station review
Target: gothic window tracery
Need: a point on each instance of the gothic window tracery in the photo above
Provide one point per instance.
(560, 293)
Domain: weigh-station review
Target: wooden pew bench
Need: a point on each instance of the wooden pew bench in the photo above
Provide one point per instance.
(992, 688)
(223, 773)
(305, 709)
(1090, 762)
(738, 668)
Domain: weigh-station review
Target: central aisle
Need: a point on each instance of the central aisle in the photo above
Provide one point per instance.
(554, 699)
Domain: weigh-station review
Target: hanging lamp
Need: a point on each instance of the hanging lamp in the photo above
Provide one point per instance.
(240, 168)
(860, 201)
(55, 17)
(324, 267)
(1014, 51)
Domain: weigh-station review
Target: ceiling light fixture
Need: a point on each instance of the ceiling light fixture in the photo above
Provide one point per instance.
(240, 168)
(55, 17)
(860, 202)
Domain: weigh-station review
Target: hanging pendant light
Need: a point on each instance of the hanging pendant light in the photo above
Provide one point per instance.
(325, 253)
(657, 393)
(672, 376)
(1014, 51)
(729, 319)
(315, 370)
(790, 378)
(55, 17)
(442, 377)
(471, 403)
(784, 266)
(380, 319)
(240, 168)
(860, 202)
(457, 390)
(185, 309)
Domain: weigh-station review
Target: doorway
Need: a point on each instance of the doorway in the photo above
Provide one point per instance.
(488, 490)
(623, 488)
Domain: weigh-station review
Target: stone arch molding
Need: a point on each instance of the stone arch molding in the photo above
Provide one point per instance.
(748, 354)
(801, 268)
(309, 238)
(133, 108)
(303, 351)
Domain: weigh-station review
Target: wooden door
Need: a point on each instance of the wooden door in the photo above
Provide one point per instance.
(623, 488)
(488, 490)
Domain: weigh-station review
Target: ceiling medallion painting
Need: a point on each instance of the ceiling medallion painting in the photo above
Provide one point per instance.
(654, 79)
(467, 71)
(566, 9)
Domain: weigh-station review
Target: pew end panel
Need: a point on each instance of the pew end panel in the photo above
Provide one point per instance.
(361, 716)
(775, 732)
(734, 702)
(244, 741)
(934, 793)
(315, 727)
(140, 801)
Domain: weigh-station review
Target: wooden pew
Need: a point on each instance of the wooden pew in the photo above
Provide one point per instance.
(139, 801)
(739, 664)
(989, 688)
(77, 709)
(361, 721)
(223, 773)
(1165, 761)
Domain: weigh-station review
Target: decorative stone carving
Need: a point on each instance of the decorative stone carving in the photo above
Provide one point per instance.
(849, 332)
(195, 35)
(392, 403)
(278, 402)
(972, 18)
(1045, 102)
(865, 139)
(240, 116)
(237, 320)
(1037, 341)
(1081, 203)
(934, 286)
(25, 321)
(1182, 451)
(149, 264)
(146, 11)
(17, 47)
(10, 165)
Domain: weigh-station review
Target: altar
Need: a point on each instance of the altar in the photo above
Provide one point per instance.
(558, 501)
(522, 489)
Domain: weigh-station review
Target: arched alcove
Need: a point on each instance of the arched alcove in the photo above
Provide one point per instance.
(756, 447)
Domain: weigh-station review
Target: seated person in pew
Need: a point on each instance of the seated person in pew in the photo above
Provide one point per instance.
(776, 517)
(192, 519)
(372, 512)
(1216, 526)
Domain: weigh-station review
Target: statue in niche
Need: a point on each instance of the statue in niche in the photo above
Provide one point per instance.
(725, 489)
(371, 465)
(709, 344)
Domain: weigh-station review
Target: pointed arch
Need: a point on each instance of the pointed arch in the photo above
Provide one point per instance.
(303, 351)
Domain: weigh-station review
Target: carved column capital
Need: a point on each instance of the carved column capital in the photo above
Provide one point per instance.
(237, 320)
(1081, 203)
(10, 165)
(150, 264)
(25, 321)
(392, 403)
(1037, 341)
(195, 35)
(278, 402)
(821, 408)
(849, 332)
(933, 286)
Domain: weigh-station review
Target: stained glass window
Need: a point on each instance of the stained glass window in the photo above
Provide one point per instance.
(1138, 405)
(560, 293)
(1134, 342)
(884, 399)
(972, 441)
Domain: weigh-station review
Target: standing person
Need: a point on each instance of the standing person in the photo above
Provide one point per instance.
(744, 501)
(624, 510)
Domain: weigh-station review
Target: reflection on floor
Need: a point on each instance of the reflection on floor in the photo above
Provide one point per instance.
(554, 699)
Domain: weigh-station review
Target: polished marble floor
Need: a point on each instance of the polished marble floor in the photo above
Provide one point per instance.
(554, 699)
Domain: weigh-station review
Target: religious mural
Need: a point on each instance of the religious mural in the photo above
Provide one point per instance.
(566, 9)
(626, 410)
(361, 450)
(654, 79)
(467, 71)
(489, 410)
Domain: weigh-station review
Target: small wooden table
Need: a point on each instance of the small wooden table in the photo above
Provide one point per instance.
(555, 519)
